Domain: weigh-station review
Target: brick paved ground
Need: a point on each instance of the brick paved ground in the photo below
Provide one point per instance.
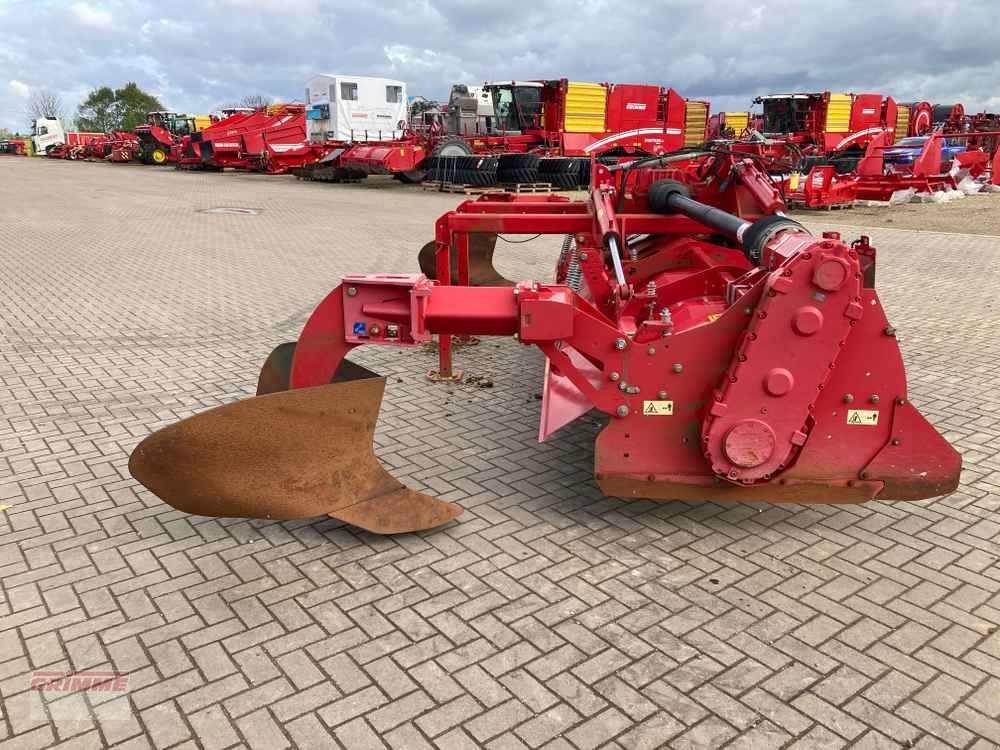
(548, 616)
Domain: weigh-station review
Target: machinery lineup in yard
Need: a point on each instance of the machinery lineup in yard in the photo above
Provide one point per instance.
(734, 355)
(822, 149)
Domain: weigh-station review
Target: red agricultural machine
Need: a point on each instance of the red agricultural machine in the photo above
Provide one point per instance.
(827, 127)
(832, 145)
(736, 356)
(117, 146)
(160, 137)
(271, 139)
(189, 152)
(728, 126)
(929, 170)
(15, 147)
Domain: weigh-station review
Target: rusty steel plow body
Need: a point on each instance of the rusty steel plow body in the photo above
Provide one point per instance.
(758, 368)
(287, 454)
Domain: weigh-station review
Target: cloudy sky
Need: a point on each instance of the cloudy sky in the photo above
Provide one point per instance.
(197, 54)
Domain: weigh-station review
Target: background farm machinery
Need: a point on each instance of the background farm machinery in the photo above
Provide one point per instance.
(533, 131)
(270, 139)
(832, 149)
(162, 133)
(826, 149)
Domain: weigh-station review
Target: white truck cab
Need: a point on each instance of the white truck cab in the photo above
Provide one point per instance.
(47, 133)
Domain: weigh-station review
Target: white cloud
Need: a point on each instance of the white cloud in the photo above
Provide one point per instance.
(91, 16)
(19, 88)
(728, 51)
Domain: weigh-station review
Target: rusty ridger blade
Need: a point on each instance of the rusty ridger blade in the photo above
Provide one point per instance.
(287, 454)
(481, 270)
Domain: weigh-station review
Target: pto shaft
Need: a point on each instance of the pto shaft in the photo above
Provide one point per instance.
(671, 197)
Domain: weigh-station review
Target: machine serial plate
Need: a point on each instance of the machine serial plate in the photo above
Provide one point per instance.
(657, 408)
(862, 416)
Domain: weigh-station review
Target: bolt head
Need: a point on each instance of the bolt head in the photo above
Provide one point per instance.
(622, 411)
(613, 377)
(352, 291)
(678, 367)
(619, 344)
(874, 398)
(662, 395)
(583, 256)
(890, 331)
(651, 351)
(848, 398)
(623, 386)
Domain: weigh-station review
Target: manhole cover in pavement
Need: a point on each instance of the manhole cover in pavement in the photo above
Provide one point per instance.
(230, 210)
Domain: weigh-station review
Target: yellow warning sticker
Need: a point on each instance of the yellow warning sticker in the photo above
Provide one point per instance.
(862, 416)
(657, 408)
(793, 181)
(714, 317)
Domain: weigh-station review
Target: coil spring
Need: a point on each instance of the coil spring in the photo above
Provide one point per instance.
(574, 274)
(564, 253)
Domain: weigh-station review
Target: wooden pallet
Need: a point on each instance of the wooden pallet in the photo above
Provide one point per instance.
(529, 187)
(833, 207)
(454, 187)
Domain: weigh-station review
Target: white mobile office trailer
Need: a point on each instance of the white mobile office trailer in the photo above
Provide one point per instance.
(354, 108)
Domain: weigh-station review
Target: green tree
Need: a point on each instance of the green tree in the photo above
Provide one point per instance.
(105, 109)
(98, 112)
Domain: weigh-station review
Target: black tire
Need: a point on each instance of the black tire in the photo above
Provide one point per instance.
(413, 177)
(451, 145)
(513, 169)
(443, 168)
(519, 161)
(517, 176)
(485, 171)
(562, 172)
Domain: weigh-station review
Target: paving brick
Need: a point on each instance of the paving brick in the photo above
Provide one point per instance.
(261, 731)
(498, 719)
(549, 616)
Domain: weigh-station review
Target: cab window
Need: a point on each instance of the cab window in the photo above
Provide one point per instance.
(349, 91)
(393, 94)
